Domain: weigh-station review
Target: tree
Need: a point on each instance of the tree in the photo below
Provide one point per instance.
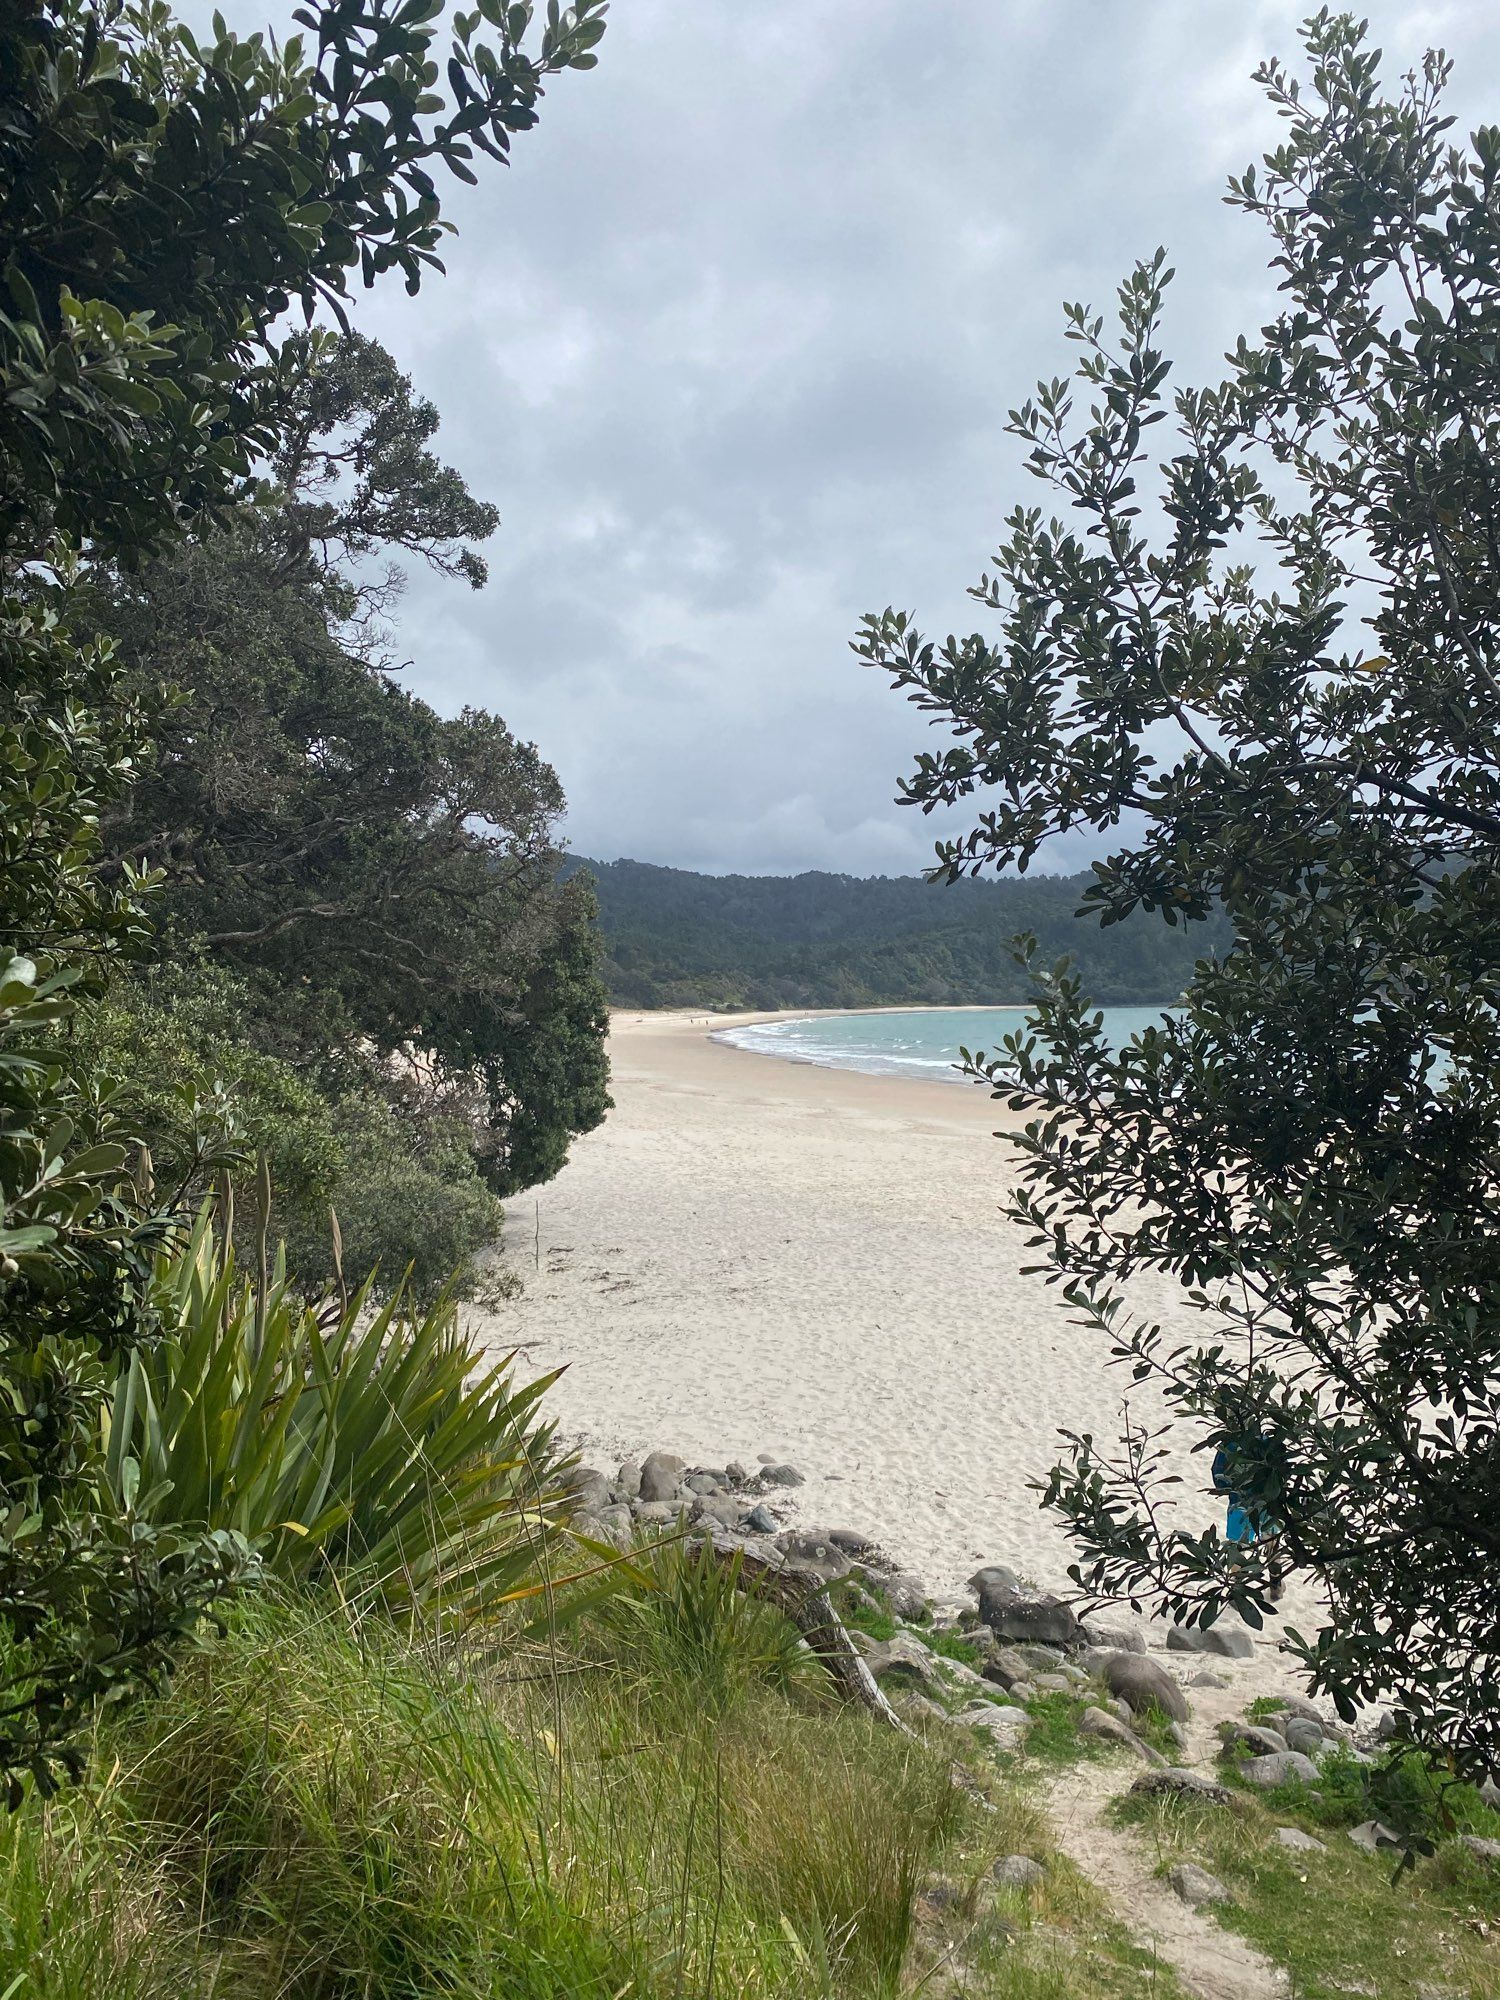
(1273, 656)
(162, 205)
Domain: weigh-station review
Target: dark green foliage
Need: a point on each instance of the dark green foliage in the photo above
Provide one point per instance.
(675, 939)
(1312, 1145)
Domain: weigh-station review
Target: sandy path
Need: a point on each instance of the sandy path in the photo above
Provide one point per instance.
(754, 1255)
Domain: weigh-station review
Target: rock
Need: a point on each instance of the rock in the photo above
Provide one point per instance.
(720, 1507)
(661, 1478)
(1196, 1886)
(782, 1475)
(1308, 1737)
(735, 1473)
(628, 1479)
(1005, 1666)
(762, 1520)
(1115, 1638)
(1175, 1782)
(1264, 1742)
(618, 1518)
(589, 1488)
(907, 1597)
(1299, 1842)
(653, 1513)
(850, 1542)
(1139, 1680)
(1489, 1792)
(1022, 1691)
(920, 1706)
(1230, 1642)
(938, 1895)
(1016, 1871)
(1054, 1683)
(1095, 1722)
(959, 1675)
(904, 1659)
(1209, 1680)
(1043, 1659)
(1013, 1614)
(702, 1482)
(1279, 1767)
(599, 1530)
(1487, 1851)
(1300, 1706)
(1118, 1709)
(813, 1550)
(1005, 1727)
(995, 1576)
(1375, 1837)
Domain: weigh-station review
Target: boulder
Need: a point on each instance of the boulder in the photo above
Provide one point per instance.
(1175, 1782)
(1005, 1727)
(1375, 1837)
(1229, 1642)
(661, 1477)
(850, 1541)
(1487, 1851)
(1489, 1792)
(782, 1475)
(907, 1597)
(703, 1482)
(994, 1576)
(1252, 1736)
(1195, 1885)
(762, 1520)
(1298, 1841)
(1279, 1767)
(1107, 1728)
(598, 1529)
(1043, 1659)
(1054, 1683)
(813, 1550)
(1022, 1691)
(1139, 1680)
(1014, 1614)
(1016, 1871)
(1004, 1666)
(903, 1660)
(588, 1488)
(1208, 1679)
(981, 1638)
(1115, 1638)
(720, 1507)
(653, 1513)
(735, 1473)
(628, 1479)
(1308, 1737)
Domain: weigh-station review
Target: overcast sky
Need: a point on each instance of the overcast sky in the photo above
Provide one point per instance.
(731, 346)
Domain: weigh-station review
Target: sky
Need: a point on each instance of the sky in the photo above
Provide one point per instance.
(731, 345)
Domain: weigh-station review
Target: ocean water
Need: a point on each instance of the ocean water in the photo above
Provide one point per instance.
(916, 1042)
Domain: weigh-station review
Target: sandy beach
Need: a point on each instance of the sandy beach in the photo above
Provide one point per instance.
(755, 1255)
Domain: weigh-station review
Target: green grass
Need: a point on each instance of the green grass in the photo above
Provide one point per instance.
(953, 1646)
(653, 1804)
(1335, 1920)
(1054, 1736)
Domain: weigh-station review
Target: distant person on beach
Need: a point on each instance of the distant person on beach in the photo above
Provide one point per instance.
(1247, 1519)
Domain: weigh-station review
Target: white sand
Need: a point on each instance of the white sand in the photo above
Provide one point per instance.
(754, 1255)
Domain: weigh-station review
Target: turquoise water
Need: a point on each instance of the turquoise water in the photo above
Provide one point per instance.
(916, 1042)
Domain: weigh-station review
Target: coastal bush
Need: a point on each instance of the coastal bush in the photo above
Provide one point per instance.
(368, 1440)
(1262, 661)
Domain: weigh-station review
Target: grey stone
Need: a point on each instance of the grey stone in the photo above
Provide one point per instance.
(913, 1702)
(813, 1550)
(618, 1518)
(1252, 1736)
(1022, 1691)
(720, 1507)
(982, 1639)
(850, 1541)
(1016, 1871)
(762, 1520)
(1015, 1615)
(1005, 1666)
(628, 1479)
(1375, 1837)
(1116, 1638)
(1109, 1729)
(654, 1513)
(1139, 1680)
(1005, 1727)
(904, 1659)
(1175, 1782)
(661, 1477)
(959, 1675)
(736, 1474)
(1043, 1659)
(1299, 1842)
(1229, 1642)
(1279, 1767)
(1489, 1792)
(1118, 1709)
(1487, 1851)
(702, 1482)
(994, 1576)
(782, 1475)
(588, 1487)
(1308, 1737)
(907, 1597)
(1207, 1679)
(1195, 1885)
(1054, 1683)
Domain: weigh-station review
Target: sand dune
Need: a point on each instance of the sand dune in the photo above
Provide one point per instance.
(760, 1256)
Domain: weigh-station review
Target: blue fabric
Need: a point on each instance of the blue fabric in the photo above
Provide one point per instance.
(1240, 1527)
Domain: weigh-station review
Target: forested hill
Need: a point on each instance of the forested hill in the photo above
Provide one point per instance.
(676, 939)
